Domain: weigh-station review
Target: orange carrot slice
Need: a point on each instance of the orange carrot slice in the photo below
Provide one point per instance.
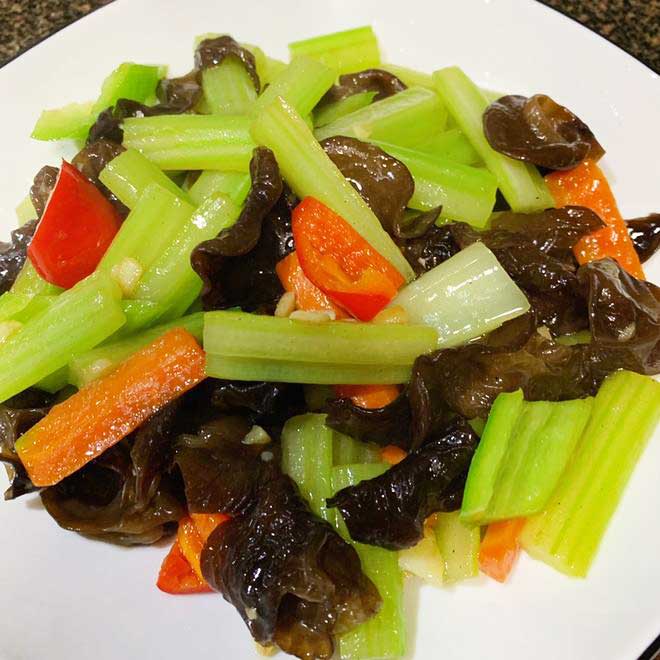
(392, 454)
(177, 576)
(500, 548)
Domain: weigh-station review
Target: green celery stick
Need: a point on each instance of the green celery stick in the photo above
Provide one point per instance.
(580, 337)
(348, 450)
(345, 52)
(406, 118)
(90, 365)
(302, 85)
(129, 174)
(271, 69)
(228, 88)
(384, 635)
(136, 82)
(451, 144)
(192, 142)
(235, 185)
(70, 122)
(78, 320)
(55, 382)
(25, 211)
(334, 111)
(465, 193)
(152, 225)
(29, 282)
(170, 279)
(411, 77)
(459, 546)
(521, 184)
(314, 373)
(140, 314)
(307, 445)
(464, 297)
(568, 532)
(242, 335)
(11, 304)
(38, 304)
(309, 171)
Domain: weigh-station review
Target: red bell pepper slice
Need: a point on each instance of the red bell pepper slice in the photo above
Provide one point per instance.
(77, 226)
(340, 262)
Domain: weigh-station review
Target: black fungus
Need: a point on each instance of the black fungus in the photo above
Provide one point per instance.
(383, 83)
(211, 52)
(42, 186)
(430, 249)
(645, 235)
(540, 131)
(14, 254)
(389, 510)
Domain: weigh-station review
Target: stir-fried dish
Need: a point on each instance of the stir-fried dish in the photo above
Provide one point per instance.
(328, 324)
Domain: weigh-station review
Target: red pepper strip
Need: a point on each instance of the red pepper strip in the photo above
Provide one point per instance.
(77, 227)
(177, 576)
(309, 297)
(340, 262)
(586, 185)
(500, 548)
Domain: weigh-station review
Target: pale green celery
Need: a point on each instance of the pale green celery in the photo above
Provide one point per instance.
(451, 144)
(331, 112)
(459, 546)
(170, 280)
(140, 314)
(521, 184)
(523, 451)
(307, 445)
(313, 373)
(581, 337)
(70, 122)
(302, 85)
(192, 142)
(150, 227)
(411, 77)
(79, 319)
(90, 365)
(228, 88)
(406, 119)
(464, 297)
(55, 382)
(384, 635)
(128, 175)
(11, 304)
(25, 211)
(309, 171)
(348, 450)
(242, 335)
(345, 52)
(466, 193)
(29, 282)
(567, 534)
(273, 68)
(235, 185)
(38, 304)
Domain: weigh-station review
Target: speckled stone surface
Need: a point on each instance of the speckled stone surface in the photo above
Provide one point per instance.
(634, 25)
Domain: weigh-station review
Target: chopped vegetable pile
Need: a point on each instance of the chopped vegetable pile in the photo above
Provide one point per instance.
(328, 324)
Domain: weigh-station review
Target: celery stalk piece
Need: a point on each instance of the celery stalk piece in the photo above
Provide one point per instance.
(411, 77)
(307, 445)
(313, 373)
(567, 534)
(171, 280)
(345, 52)
(235, 185)
(580, 337)
(465, 193)
(228, 88)
(523, 451)
(309, 171)
(38, 304)
(150, 227)
(192, 142)
(272, 68)
(79, 319)
(302, 85)
(55, 382)
(25, 211)
(12, 303)
(464, 297)
(423, 560)
(91, 364)
(71, 122)
(128, 175)
(140, 314)
(406, 118)
(521, 184)
(451, 144)
(136, 82)
(242, 335)
(384, 635)
(459, 546)
(31, 283)
(337, 109)
(348, 450)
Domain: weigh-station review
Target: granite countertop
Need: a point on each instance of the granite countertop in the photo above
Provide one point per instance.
(631, 24)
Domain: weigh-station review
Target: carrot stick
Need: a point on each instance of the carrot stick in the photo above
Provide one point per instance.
(392, 454)
(108, 409)
(177, 576)
(207, 522)
(368, 396)
(500, 547)
(586, 185)
(193, 533)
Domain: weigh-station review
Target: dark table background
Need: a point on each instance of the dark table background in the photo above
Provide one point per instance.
(631, 24)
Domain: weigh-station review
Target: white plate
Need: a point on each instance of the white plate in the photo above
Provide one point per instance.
(66, 598)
